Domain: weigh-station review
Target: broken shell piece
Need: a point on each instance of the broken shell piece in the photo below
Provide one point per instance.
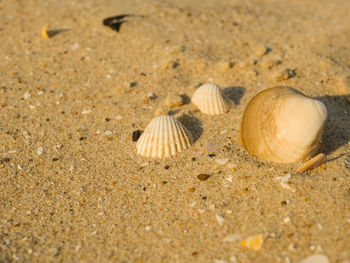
(44, 32)
(282, 125)
(318, 258)
(314, 162)
(164, 136)
(209, 99)
(253, 242)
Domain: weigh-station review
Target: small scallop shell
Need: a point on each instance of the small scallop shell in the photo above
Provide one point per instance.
(282, 125)
(209, 99)
(164, 136)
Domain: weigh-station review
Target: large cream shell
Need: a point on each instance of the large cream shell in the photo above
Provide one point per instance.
(282, 125)
(209, 99)
(164, 136)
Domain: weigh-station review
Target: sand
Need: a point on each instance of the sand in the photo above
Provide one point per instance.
(73, 189)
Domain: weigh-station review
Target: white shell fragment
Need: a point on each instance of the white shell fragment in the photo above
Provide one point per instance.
(164, 136)
(318, 258)
(282, 125)
(209, 99)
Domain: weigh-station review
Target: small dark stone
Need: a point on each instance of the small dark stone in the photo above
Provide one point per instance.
(144, 189)
(211, 155)
(47, 119)
(82, 138)
(136, 135)
(193, 159)
(284, 203)
(133, 84)
(203, 177)
(4, 160)
(107, 119)
(166, 167)
(54, 159)
(164, 182)
(175, 65)
(204, 198)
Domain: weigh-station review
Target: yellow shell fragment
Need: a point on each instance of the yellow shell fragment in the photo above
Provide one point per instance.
(44, 32)
(253, 242)
(164, 136)
(314, 162)
(209, 99)
(282, 125)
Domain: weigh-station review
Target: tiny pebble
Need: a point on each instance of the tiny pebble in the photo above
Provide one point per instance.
(166, 167)
(144, 164)
(86, 112)
(220, 219)
(211, 155)
(27, 95)
(232, 237)
(229, 179)
(284, 179)
(222, 161)
(133, 84)
(286, 220)
(136, 135)
(40, 150)
(231, 165)
(147, 228)
(203, 177)
(287, 186)
(253, 242)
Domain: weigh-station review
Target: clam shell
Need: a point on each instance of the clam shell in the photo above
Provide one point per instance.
(209, 99)
(282, 125)
(164, 136)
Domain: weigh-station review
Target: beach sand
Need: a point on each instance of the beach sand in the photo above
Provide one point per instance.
(73, 189)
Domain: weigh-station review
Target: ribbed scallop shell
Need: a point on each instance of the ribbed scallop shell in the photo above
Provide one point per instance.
(282, 125)
(209, 99)
(164, 136)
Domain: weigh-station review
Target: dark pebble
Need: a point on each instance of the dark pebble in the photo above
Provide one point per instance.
(136, 135)
(164, 182)
(133, 84)
(284, 203)
(166, 167)
(204, 198)
(4, 160)
(193, 159)
(211, 155)
(107, 119)
(203, 177)
(54, 159)
(82, 138)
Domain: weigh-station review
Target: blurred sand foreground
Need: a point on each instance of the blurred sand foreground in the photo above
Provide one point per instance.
(72, 188)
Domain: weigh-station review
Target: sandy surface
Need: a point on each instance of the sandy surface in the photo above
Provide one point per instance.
(72, 188)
